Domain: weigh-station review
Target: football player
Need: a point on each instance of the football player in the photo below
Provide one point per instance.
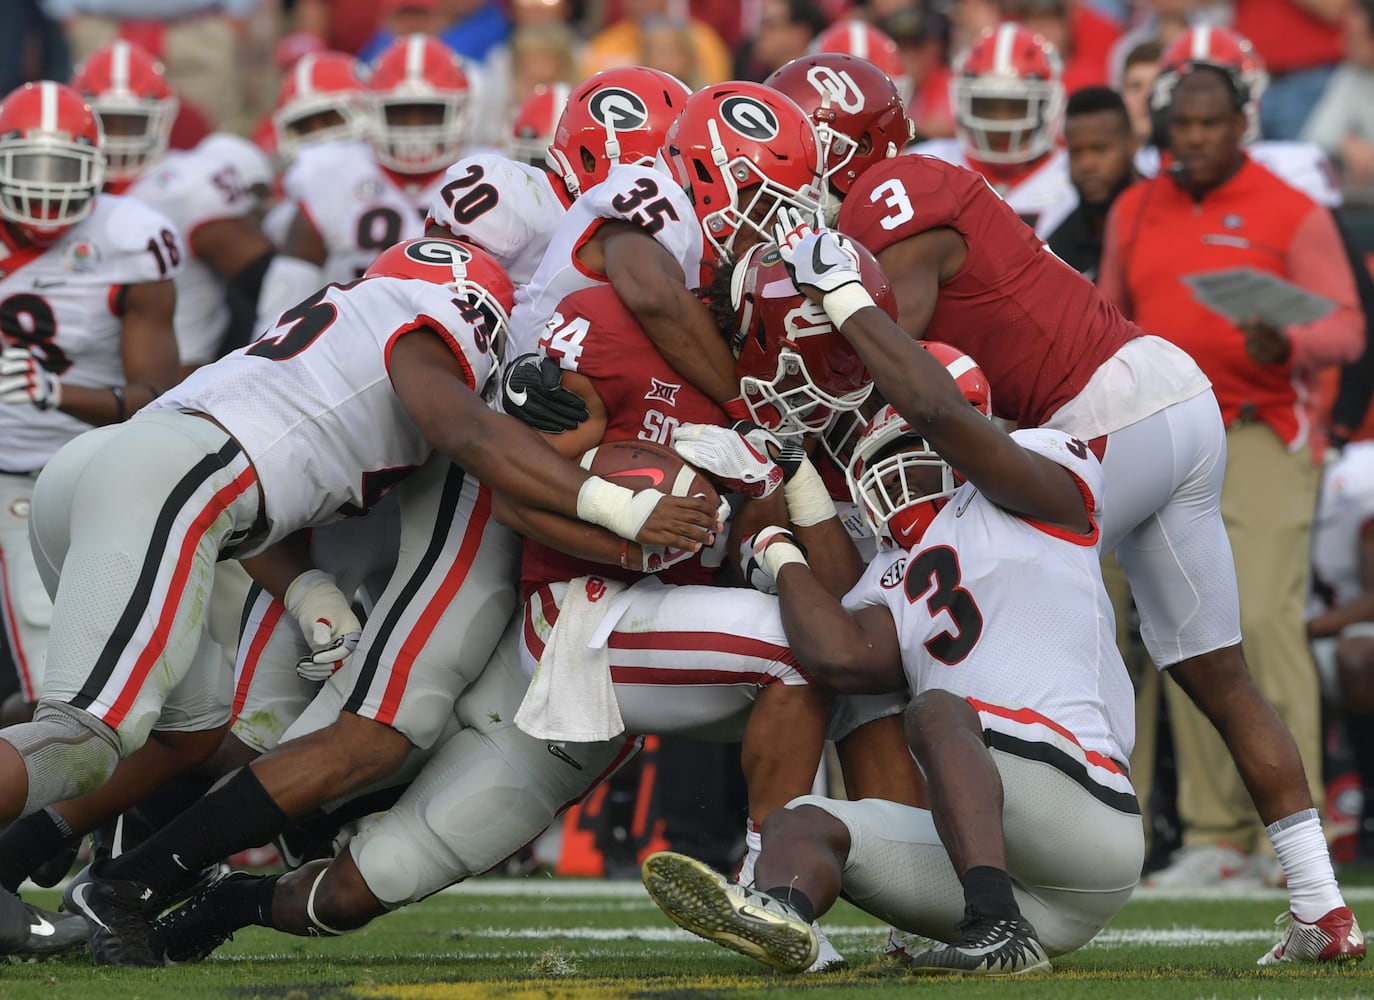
(535, 122)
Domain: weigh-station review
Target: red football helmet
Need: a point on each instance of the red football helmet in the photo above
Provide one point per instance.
(617, 116)
(1009, 70)
(741, 151)
(532, 129)
(862, 40)
(320, 100)
(1217, 48)
(795, 371)
(859, 116)
(419, 91)
(51, 164)
(129, 91)
(469, 271)
(895, 506)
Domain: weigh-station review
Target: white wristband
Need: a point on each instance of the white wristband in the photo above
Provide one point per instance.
(808, 501)
(845, 301)
(614, 507)
(780, 554)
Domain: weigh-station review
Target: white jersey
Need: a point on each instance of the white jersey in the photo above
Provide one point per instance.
(1300, 165)
(195, 188)
(641, 195)
(1013, 614)
(1043, 198)
(1345, 506)
(64, 304)
(312, 403)
(356, 206)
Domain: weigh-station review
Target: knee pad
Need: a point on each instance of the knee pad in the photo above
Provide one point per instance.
(67, 753)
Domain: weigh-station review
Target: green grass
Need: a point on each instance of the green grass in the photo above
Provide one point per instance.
(548, 939)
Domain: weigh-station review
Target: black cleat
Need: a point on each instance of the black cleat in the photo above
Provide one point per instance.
(986, 948)
(56, 868)
(119, 913)
(52, 933)
(196, 928)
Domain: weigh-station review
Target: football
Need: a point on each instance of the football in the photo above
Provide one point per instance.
(639, 465)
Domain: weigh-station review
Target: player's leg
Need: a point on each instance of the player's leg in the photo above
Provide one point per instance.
(25, 608)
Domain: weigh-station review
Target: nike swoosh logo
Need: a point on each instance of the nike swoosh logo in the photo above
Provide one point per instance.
(655, 476)
(987, 949)
(43, 928)
(79, 898)
(48, 282)
(517, 396)
(562, 755)
(818, 265)
(964, 506)
(176, 858)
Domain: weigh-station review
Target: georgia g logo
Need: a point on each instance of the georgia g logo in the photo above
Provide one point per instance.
(618, 110)
(844, 92)
(750, 118)
(439, 252)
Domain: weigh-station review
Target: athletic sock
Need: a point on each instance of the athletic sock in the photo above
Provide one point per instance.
(796, 899)
(753, 846)
(237, 815)
(27, 843)
(245, 903)
(987, 894)
(1306, 861)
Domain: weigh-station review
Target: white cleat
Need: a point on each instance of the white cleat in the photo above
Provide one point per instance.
(1336, 937)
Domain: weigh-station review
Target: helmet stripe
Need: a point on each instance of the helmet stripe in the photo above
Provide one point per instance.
(47, 109)
(304, 75)
(119, 66)
(960, 366)
(415, 57)
(1202, 42)
(858, 39)
(1001, 56)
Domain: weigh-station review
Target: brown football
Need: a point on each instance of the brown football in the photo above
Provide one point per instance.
(639, 465)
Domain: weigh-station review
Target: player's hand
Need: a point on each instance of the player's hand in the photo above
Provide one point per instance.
(532, 392)
(1266, 344)
(327, 622)
(764, 554)
(819, 260)
(681, 522)
(23, 379)
(740, 463)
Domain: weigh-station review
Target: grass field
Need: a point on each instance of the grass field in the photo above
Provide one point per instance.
(547, 939)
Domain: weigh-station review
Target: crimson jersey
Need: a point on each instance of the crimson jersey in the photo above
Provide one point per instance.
(600, 339)
(1035, 326)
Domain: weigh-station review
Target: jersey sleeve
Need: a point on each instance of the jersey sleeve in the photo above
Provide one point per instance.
(897, 199)
(653, 201)
(586, 334)
(881, 580)
(407, 305)
(1072, 454)
(138, 244)
(308, 185)
(196, 188)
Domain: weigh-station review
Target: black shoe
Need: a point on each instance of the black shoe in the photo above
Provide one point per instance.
(52, 933)
(987, 947)
(56, 868)
(120, 915)
(195, 929)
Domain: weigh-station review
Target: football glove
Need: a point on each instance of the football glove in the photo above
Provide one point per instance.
(532, 392)
(764, 554)
(327, 621)
(738, 461)
(823, 260)
(23, 379)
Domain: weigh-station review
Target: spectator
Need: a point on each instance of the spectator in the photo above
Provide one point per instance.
(1342, 123)
(1102, 147)
(400, 18)
(196, 40)
(785, 33)
(527, 13)
(1161, 21)
(542, 55)
(475, 29)
(1219, 209)
(1137, 80)
(620, 44)
(1082, 36)
(343, 25)
(31, 46)
(1300, 43)
(667, 45)
(920, 35)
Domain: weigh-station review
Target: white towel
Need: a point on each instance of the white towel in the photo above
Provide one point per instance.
(571, 697)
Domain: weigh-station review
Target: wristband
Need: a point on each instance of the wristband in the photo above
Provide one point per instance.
(808, 501)
(779, 554)
(845, 301)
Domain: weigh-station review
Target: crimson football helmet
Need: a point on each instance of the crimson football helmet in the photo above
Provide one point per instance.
(320, 100)
(880, 476)
(863, 41)
(419, 96)
(1221, 49)
(795, 370)
(1008, 70)
(532, 129)
(468, 271)
(129, 91)
(617, 116)
(741, 151)
(860, 118)
(51, 164)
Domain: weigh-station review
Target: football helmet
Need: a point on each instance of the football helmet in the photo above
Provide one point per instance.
(741, 151)
(532, 129)
(320, 100)
(51, 164)
(617, 116)
(881, 474)
(860, 118)
(418, 94)
(795, 370)
(1008, 67)
(129, 91)
(864, 41)
(1221, 49)
(468, 271)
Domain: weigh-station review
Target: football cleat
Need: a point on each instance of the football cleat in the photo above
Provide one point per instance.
(26, 930)
(828, 957)
(196, 928)
(119, 913)
(904, 946)
(1203, 864)
(986, 948)
(703, 901)
(1335, 937)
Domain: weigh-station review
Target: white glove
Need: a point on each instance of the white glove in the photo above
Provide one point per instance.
(823, 260)
(23, 379)
(740, 463)
(327, 621)
(765, 553)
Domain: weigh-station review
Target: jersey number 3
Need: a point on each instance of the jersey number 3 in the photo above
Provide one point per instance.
(935, 575)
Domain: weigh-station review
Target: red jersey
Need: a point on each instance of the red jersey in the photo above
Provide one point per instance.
(1036, 326)
(593, 334)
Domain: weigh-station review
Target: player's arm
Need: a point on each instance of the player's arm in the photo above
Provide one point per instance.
(294, 273)
(917, 266)
(512, 458)
(651, 284)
